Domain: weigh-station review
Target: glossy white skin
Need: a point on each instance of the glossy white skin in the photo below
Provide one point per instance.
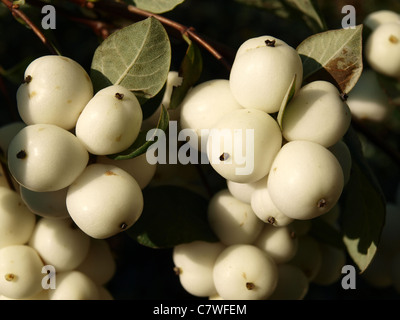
(367, 100)
(203, 106)
(20, 272)
(99, 264)
(311, 177)
(8, 132)
(59, 90)
(74, 285)
(342, 153)
(261, 75)
(263, 130)
(60, 243)
(16, 220)
(138, 167)
(316, 114)
(382, 49)
(109, 124)
(232, 220)
(243, 191)
(376, 18)
(308, 256)
(46, 204)
(280, 243)
(265, 209)
(332, 261)
(194, 263)
(104, 201)
(245, 272)
(54, 157)
(292, 283)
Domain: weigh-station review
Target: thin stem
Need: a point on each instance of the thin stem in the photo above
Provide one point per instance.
(14, 9)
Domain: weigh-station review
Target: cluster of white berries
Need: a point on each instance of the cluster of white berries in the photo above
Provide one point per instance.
(69, 195)
(301, 165)
(368, 100)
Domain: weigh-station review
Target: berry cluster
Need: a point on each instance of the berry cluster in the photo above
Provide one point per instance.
(70, 196)
(300, 166)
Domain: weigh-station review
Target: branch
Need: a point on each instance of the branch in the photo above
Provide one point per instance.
(16, 12)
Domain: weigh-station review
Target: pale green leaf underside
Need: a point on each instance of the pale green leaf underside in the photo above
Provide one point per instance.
(137, 57)
(337, 53)
(157, 6)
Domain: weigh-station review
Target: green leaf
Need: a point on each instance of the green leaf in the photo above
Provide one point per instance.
(190, 70)
(141, 144)
(334, 56)
(172, 215)
(326, 233)
(391, 87)
(157, 6)
(364, 207)
(137, 57)
(292, 9)
(288, 96)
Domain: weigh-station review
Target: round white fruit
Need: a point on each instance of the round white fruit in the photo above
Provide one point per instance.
(110, 122)
(46, 204)
(20, 272)
(244, 272)
(55, 91)
(265, 209)
(367, 100)
(16, 220)
(262, 73)
(316, 114)
(292, 283)
(203, 106)
(280, 243)
(232, 220)
(138, 167)
(104, 200)
(243, 191)
(194, 263)
(382, 49)
(376, 18)
(60, 243)
(99, 264)
(243, 144)
(45, 157)
(311, 177)
(74, 285)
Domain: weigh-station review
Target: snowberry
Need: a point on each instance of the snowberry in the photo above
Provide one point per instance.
(99, 263)
(203, 106)
(45, 157)
(55, 91)
(279, 242)
(232, 220)
(376, 18)
(367, 100)
(60, 243)
(264, 208)
(305, 181)
(16, 220)
(74, 285)
(110, 122)
(244, 272)
(242, 145)
(262, 72)
(138, 167)
(316, 114)
(20, 272)
(104, 200)
(194, 263)
(243, 191)
(292, 283)
(382, 49)
(46, 204)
